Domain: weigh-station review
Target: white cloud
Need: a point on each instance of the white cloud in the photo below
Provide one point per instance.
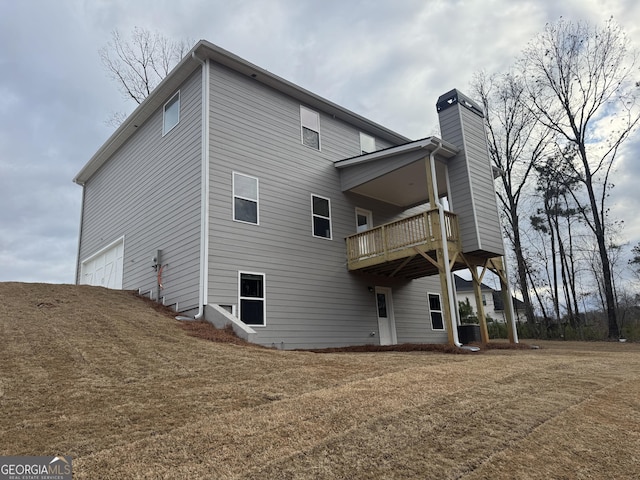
(388, 60)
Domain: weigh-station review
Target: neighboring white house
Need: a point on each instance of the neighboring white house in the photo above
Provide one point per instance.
(491, 300)
(236, 196)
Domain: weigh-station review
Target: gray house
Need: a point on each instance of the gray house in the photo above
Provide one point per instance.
(234, 195)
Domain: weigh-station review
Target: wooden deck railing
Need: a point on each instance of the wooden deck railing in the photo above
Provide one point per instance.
(421, 229)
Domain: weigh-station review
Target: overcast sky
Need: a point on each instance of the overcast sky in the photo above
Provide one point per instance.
(388, 60)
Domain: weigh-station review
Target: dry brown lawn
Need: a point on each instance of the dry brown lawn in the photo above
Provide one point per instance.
(103, 377)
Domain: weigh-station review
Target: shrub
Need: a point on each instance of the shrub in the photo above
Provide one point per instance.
(497, 330)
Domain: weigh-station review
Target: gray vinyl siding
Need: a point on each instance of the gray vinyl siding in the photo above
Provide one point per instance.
(483, 183)
(311, 298)
(149, 192)
(411, 304)
(472, 194)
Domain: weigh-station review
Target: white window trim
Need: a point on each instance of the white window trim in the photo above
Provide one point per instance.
(365, 213)
(164, 111)
(264, 298)
(313, 215)
(232, 309)
(367, 136)
(233, 197)
(444, 323)
(302, 126)
(387, 291)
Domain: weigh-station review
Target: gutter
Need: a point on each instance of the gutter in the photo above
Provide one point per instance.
(78, 268)
(204, 195)
(445, 249)
(220, 56)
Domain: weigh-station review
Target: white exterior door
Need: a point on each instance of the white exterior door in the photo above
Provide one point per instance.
(105, 267)
(386, 322)
(364, 222)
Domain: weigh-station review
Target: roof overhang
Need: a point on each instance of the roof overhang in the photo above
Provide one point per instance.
(206, 50)
(397, 175)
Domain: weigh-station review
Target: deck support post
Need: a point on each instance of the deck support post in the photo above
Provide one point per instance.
(477, 290)
(445, 288)
(476, 278)
(499, 268)
(430, 183)
(444, 268)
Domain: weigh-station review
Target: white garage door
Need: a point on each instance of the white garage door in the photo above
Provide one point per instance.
(104, 268)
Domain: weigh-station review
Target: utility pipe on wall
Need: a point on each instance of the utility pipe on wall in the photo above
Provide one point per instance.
(445, 248)
(204, 195)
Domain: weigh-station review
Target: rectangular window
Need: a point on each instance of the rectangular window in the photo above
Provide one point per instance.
(484, 300)
(310, 124)
(252, 298)
(367, 143)
(321, 214)
(171, 113)
(435, 310)
(245, 198)
(382, 305)
(364, 220)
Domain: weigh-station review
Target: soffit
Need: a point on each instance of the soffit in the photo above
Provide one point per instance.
(397, 175)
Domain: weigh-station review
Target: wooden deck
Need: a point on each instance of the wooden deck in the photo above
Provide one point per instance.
(394, 249)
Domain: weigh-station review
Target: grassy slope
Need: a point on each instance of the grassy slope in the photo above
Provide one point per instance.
(99, 375)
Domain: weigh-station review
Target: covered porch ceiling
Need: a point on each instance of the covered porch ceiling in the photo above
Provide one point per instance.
(397, 175)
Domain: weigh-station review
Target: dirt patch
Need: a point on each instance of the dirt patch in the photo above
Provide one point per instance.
(508, 346)
(403, 347)
(127, 392)
(204, 330)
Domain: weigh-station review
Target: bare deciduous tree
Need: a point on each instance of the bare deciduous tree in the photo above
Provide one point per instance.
(634, 261)
(140, 62)
(556, 218)
(579, 81)
(516, 145)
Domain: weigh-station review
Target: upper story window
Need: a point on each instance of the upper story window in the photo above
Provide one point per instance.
(310, 125)
(321, 213)
(245, 198)
(367, 143)
(171, 113)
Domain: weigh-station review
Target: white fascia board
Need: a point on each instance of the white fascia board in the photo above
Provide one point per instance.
(187, 66)
(156, 99)
(429, 144)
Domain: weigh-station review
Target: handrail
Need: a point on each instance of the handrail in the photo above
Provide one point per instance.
(416, 230)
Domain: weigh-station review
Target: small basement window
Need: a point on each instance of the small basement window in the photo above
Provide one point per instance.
(252, 298)
(171, 113)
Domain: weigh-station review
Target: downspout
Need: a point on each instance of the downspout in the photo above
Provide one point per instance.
(445, 248)
(204, 192)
